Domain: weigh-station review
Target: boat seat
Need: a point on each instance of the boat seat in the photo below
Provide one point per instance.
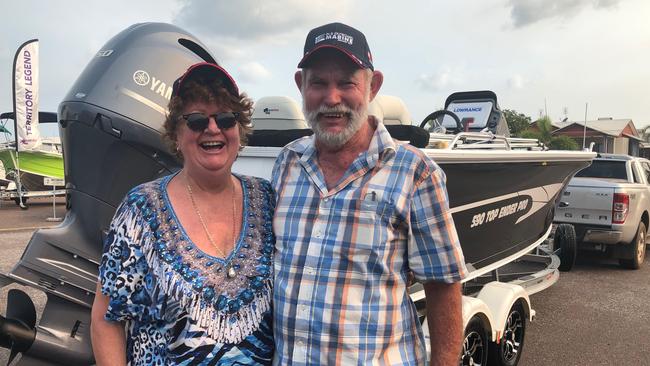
(389, 109)
(276, 138)
(278, 113)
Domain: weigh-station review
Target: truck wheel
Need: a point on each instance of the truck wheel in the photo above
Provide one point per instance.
(637, 249)
(508, 351)
(475, 344)
(565, 240)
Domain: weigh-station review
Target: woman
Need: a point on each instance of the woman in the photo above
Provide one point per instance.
(186, 273)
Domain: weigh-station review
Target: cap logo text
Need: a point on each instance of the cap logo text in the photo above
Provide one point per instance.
(341, 37)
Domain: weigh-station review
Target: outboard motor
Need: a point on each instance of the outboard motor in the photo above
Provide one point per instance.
(110, 124)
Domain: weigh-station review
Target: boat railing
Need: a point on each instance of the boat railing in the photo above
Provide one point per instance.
(482, 140)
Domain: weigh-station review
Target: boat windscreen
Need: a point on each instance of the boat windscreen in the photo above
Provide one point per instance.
(604, 169)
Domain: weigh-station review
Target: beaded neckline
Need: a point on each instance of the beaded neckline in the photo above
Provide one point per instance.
(244, 216)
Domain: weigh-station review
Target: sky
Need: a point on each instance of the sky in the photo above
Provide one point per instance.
(562, 58)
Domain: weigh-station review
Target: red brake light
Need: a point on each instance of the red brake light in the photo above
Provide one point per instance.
(620, 207)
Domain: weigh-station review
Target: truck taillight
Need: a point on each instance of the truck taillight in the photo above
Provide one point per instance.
(620, 208)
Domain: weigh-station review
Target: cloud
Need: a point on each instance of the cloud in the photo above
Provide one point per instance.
(442, 80)
(255, 19)
(253, 72)
(516, 82)
(526, 12)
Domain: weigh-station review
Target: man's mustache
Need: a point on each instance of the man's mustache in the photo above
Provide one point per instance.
(321, 110)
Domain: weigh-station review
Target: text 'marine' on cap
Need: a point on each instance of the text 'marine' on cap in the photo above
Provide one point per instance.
(341, 37)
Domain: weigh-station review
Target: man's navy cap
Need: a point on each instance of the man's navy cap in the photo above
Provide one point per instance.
(206, 72)
(340, 37)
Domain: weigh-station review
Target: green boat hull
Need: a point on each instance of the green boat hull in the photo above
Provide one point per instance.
(34, 166)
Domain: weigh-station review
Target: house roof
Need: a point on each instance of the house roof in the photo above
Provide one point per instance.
(611, 127)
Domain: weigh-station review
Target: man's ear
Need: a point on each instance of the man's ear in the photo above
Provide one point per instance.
(375, 84)
(298, 78)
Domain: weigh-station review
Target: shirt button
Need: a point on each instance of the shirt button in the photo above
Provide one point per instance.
(325, 199)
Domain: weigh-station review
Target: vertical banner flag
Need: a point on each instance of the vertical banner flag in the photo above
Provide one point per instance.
(26, 96)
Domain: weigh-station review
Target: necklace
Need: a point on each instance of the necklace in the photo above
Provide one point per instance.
(231, 273)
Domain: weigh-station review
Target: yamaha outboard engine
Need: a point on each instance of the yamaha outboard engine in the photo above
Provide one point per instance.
(110, 125)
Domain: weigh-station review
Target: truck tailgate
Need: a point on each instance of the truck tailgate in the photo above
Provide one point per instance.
(584, 202)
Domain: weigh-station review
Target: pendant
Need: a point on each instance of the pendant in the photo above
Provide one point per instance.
(231, 272)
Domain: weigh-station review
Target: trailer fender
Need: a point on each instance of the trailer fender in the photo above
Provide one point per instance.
(499, 298)
(474, 307)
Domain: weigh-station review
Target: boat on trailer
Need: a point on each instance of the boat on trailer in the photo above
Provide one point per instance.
(502, 191)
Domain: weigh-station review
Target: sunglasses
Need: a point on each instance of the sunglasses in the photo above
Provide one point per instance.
(198, 122)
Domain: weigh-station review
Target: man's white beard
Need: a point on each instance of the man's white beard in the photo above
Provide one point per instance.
(336, 140)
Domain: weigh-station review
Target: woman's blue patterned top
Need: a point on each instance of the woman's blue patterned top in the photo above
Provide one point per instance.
(178, 303)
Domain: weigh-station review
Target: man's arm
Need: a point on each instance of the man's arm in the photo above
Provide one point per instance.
(444, 314)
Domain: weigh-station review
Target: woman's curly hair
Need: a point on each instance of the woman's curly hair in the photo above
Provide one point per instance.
(200, 92)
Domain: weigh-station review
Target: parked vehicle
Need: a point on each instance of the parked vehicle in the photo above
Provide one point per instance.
(608, 203)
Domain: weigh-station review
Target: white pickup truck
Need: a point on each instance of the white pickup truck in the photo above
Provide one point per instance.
(608, 204)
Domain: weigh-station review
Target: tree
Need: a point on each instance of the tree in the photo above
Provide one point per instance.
(544, 130)
(544, 134)
(517, 122)
(645, 133)
(563, 142)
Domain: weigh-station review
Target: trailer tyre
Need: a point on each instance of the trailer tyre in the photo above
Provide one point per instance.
(565, 240)
(637, 249)
(475, 344)
(508, 351)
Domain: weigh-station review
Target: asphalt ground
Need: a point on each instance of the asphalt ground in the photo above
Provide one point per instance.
(39, 210)
(596, 314)
(16, 228)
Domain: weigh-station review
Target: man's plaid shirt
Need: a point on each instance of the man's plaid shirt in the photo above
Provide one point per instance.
(342, 255)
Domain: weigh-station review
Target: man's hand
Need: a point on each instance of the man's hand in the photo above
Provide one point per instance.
(444, 315)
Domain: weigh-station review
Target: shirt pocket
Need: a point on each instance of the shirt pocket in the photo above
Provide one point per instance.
(365, 236)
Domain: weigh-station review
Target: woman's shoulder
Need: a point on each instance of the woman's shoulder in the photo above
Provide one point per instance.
(145, 192)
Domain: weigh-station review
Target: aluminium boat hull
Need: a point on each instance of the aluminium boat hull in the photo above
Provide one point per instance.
(503, 202)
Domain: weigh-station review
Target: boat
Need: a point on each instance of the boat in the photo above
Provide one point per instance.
(44, 161)
(502, 192)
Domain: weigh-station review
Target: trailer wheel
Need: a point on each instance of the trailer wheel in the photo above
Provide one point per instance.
(508, 351)
(565, 240)
(475, 344)
(637, 248)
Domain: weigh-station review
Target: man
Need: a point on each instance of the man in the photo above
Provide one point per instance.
(356, 212)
